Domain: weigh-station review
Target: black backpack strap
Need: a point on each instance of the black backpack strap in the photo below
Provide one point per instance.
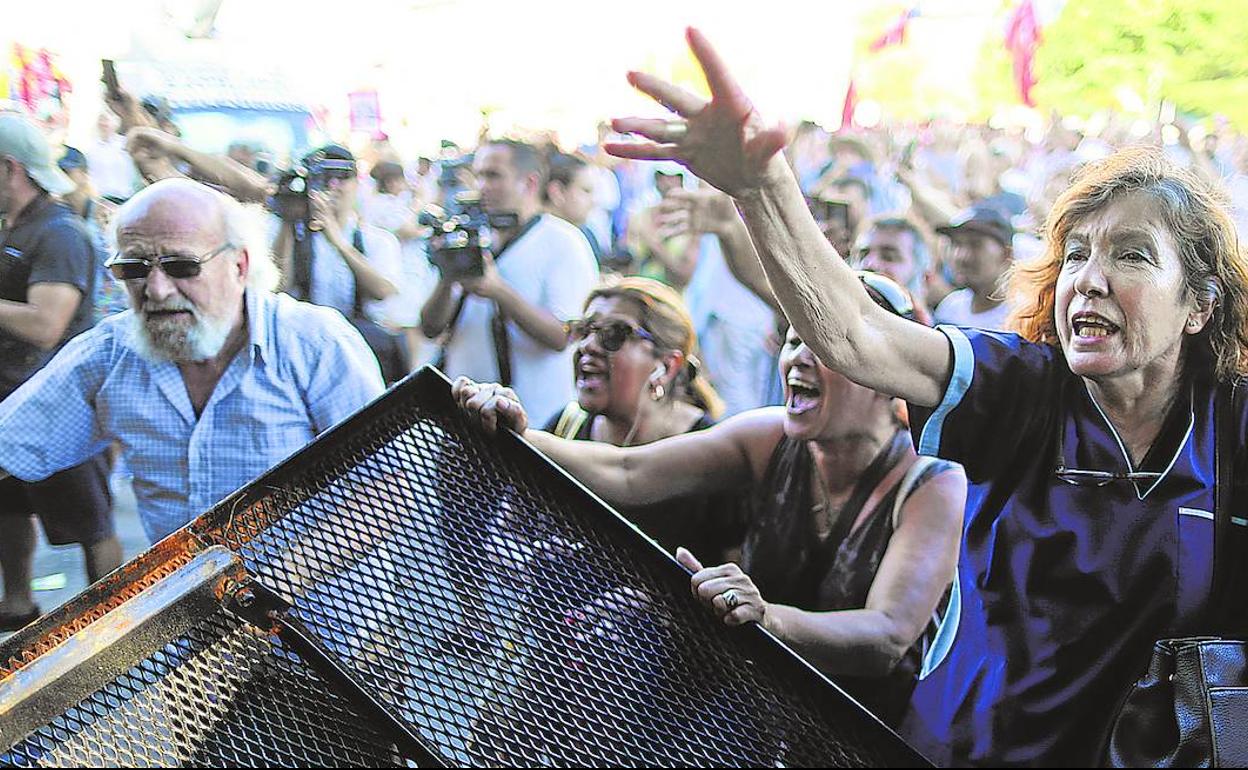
(357, 243)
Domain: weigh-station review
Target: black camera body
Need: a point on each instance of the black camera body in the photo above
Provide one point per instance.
(290, 200)
(461, 236)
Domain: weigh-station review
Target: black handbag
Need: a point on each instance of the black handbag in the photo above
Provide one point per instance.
(389, 346)
(1189, 708)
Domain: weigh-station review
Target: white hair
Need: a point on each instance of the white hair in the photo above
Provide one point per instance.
(246, 229)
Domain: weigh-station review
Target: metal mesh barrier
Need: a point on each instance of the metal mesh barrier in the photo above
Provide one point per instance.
(223, 695)
(487, 602)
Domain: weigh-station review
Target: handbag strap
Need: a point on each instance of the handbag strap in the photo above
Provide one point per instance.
(916, 470)
(1228, 534)
(571, 420)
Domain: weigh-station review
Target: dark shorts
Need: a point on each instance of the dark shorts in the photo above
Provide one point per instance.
(74, 505)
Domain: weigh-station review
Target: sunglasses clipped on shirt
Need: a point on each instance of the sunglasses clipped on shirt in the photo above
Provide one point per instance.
(887, 293)
(611, 334)
(174, 265)
(1086, 477)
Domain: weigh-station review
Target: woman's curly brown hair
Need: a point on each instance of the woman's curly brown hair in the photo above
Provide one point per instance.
(1197, 215)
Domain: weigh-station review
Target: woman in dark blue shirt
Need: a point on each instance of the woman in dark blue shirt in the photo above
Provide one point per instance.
(1088, 438)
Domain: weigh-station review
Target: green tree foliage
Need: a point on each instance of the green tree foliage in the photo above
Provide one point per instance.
(1130, 55)
(993, 79)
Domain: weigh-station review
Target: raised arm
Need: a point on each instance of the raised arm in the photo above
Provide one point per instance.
(240, 181)
(726, 143)
(720, 457)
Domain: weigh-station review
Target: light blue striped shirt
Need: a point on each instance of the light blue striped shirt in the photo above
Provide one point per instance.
(304, 370)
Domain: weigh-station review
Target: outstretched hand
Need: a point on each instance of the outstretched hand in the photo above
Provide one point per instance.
(723, 141)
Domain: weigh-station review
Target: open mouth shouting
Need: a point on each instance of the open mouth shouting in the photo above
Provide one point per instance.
(803, 395)
(592, 373)
(1092, 328)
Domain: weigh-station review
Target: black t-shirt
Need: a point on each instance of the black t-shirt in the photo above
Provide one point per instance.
(47, 244)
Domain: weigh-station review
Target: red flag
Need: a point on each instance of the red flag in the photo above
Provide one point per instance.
(895, 34)
(1022, 37)
(851, 104)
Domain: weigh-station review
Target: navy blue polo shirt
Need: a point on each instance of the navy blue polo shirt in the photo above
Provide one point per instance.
(48, 243)
(1063, 588)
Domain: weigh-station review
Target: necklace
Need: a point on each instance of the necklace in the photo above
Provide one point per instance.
(823, 511)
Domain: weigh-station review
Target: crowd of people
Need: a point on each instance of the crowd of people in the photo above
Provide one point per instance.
(922, 400)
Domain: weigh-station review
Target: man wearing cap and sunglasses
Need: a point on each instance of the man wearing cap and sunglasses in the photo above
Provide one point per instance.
(208, 381)
(47, 282)
(349, 265)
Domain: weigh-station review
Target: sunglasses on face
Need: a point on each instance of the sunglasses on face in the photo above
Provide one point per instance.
(174, 265)
(611, 334)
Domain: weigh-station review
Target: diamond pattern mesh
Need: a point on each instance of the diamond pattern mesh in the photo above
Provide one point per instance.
(223, 695)
(487, 601)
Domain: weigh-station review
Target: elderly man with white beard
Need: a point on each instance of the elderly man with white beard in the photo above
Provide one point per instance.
(208, 380)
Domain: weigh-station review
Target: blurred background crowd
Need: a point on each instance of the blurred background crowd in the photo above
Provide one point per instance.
(937, 177)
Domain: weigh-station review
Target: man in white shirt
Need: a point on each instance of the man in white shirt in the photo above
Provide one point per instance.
(508, 324)
(112, 169)
(982, 252)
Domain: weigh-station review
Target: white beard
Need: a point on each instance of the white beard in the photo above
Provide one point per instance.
(163, 341)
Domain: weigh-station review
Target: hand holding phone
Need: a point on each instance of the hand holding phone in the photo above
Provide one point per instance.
(110, 79)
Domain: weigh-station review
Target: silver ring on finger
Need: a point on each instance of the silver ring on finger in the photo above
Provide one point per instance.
(675, 130)
(731, 600)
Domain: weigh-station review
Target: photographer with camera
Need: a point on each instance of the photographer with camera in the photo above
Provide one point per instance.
(328, 256)
(502, 314)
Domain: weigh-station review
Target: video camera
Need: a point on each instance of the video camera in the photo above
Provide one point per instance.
(290, 200)
(460, 239)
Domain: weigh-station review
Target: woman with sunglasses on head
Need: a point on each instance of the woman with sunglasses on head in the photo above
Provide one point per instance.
(852, 539)
(638, 381)
(1089, 436)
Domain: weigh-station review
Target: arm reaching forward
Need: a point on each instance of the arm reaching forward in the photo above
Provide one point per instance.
(725, 142)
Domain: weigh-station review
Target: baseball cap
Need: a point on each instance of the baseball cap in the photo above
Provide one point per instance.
(22, 140)
(73, 158)
(158, 107)
(332, 158)
(988, 220)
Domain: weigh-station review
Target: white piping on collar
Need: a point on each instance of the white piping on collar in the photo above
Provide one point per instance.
(1191, 423)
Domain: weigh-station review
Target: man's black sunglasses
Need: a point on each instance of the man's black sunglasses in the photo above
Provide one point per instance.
(173, 265)
(611, 334)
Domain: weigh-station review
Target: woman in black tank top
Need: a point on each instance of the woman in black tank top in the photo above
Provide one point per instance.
(852, 540)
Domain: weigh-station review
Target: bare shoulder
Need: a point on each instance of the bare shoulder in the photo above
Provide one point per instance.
(755, 434)
(941, 498)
